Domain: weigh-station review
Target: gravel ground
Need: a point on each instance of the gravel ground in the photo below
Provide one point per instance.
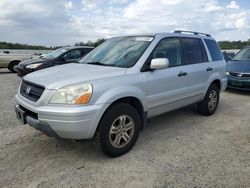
(177, 149)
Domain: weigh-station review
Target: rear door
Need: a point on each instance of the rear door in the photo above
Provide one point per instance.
(197, 67)
(217, 63)
(167, 88)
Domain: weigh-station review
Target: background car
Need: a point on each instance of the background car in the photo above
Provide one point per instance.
(57, 57)
(238, 70)
(10, 61)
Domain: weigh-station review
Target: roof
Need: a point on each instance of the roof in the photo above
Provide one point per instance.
(174, 33)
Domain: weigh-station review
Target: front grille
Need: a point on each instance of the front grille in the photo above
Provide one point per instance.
(239, 75)
(31, 91)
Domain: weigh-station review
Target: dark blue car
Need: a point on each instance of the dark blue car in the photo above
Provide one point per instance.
(238, 70)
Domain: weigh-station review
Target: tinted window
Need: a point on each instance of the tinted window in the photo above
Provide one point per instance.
(86, 50)
(168, 48)
(214, 50)
(193, 51)
(73, 54)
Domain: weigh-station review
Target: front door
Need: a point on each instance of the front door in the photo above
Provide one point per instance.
(167, 87)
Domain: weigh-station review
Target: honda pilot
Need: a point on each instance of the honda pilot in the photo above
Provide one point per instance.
(115, 88)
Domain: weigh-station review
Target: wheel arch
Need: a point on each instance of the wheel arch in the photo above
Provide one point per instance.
(14, 60)
(133, 101)
(218, 83)
(10, 65)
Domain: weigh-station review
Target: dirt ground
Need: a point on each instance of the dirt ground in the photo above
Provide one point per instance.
(177, 149)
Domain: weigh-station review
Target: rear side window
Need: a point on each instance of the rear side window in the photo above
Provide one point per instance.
(194, 51)
(214, 50)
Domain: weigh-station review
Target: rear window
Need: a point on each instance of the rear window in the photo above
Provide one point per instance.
(214, 50)
(193, 51)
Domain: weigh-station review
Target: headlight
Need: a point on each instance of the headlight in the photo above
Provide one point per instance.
(76, 94)
(33, 66)
(227, 73)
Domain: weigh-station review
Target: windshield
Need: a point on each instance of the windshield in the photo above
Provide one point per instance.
(244, 54)
(118, 52)
(54, 54)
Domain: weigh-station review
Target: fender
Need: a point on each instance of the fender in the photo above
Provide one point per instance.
(215, 76)
(113, 95)
(119, 92)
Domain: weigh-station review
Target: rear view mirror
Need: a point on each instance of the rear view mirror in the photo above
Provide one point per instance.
(159, 63)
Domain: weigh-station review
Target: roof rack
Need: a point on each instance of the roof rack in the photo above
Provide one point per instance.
(192, 32)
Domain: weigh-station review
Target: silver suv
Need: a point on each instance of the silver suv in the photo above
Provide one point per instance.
(117, 86)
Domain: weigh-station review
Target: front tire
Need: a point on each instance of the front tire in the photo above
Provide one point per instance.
(210, 102)
(118, 130)
(12, 65)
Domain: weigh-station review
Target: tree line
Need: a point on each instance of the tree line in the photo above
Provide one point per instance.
(225, 45)
(17, 46)
(90, 43)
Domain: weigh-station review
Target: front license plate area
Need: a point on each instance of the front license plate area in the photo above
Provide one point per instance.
(21, 115)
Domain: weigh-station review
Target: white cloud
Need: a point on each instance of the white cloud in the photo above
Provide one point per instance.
(68, 5)
(199, 15)
(60, 22)
(233, 5)
(241, 23)
(89, 5)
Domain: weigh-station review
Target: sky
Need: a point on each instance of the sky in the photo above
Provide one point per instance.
(65, 22)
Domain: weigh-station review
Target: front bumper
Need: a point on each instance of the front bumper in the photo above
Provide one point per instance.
(238, 83)
(33, 122)
(70, 122)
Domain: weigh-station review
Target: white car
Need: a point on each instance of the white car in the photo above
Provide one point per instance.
(10, 61)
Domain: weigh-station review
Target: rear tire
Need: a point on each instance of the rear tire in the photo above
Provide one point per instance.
(118, 130)
(210, 102)
(12, 65)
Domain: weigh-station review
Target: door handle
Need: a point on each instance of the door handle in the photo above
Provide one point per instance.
(182, 74)
(209, 69)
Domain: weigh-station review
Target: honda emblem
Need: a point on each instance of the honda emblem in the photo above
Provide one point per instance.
(28, 88)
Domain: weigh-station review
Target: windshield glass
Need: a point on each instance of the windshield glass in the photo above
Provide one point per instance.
(118, 52)
(54, 54)
(244, 54)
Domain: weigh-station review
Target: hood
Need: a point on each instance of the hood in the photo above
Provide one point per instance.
(31, 61)
(70, 74)
(238, 66)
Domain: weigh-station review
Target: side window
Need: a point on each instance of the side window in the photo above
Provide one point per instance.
(193, 51)
(214, 50)
(73, 54)
(86, 50)
(169, 48)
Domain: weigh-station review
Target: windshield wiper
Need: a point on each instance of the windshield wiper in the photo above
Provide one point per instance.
(103, 64)
(97, 63)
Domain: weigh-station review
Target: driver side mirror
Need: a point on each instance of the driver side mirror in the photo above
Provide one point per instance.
(159, 63)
